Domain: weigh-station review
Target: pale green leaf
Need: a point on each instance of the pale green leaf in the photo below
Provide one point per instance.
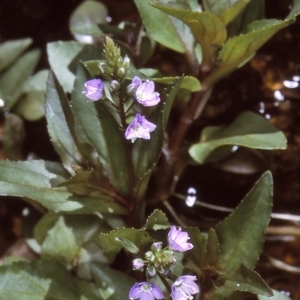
(157, 220)
(60, 244)
(11, 82)
(189, 83)
(33, 179)
(208, 30)
(277, 296)
(218, 7)
(10, 50)
(247, 130)
(112, 284)
(241, 235)
(38, 280)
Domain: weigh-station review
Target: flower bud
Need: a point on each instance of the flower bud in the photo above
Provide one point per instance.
(121, 72)
(151, 271)
(115, 85)
(149, 256)
(157, 246)
(119, 62)
(138, 264)
(126, 63)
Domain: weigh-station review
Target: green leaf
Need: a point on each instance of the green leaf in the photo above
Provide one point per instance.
(64, 58)
(96, 126)
(244, 280)
(37, 280)
(156, 221)
(241, 235)
(33, 179)
(247, 130)
(11, 82)
(111, 284)
(219, 7)
(88, 290)
(168, 31)
(208, 30)
(233, 11)
(197, 254)
(13, 137)
(212, 257)
(189, 83)
(60, 124)
(112, 242)
(277, 296)
(31, 105)
(239, 48)
(60, 244)
(10, 50)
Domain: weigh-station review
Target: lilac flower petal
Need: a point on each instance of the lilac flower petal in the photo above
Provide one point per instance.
(145, 92)
(139, 128)
(184, 287)
(94, 89)
(145, 291)
(178, 240)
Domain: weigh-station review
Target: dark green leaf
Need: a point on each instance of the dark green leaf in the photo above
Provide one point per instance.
(245, 280)
(37, 280)
(61, 124)
(88, 290)
(111, 284)
(212, 257)
(11, 82)
(10, 50)
(241, 235)
(197, 254)
(157, 220)
(247, 130)
(96, 126)
(218, 7)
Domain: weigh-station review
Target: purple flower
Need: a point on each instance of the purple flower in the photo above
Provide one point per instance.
(139, 128)
(145, 291)
(184, 287)
(178, 240)
(144, 92)
(94, 89)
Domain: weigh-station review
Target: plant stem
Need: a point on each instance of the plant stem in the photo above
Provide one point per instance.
(165, 282)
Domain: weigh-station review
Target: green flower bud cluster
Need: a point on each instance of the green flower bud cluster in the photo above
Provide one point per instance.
(157, 260)
(114, 66)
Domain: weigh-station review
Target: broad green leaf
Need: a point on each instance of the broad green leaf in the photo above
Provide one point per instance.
(64, 58)
(241, 235)
(10, 50)
(31, 105)
(33, 179)
(188, 82)
(60, 244)
(96, 126)
(13, 137)
(88, 290)
(60, 124)
(112, 284)
(208, 30)
(112, 242)
(157, 220)
(197, 254)
(277, 296)
(167, 31)
(11, 82)
(219, 7)
(212, 257)
(233, 11)
(37, 280)
(239, 48)
(87, 13)
(247, 130)
(244, 280)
